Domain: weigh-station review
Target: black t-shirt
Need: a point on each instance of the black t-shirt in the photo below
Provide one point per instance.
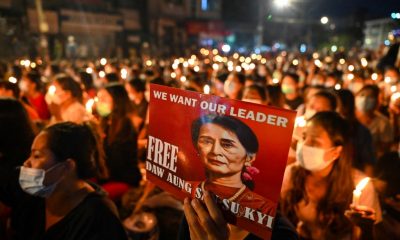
(295, 103)
(93, 219)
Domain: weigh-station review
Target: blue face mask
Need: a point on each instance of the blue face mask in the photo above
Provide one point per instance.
(31, 181)
(365, 104)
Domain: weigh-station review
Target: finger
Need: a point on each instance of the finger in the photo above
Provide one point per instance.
(214, 211)
(195, 229)
(204, 217)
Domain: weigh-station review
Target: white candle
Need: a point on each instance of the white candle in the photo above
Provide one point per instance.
(52, 90)
(206, 89)
(358, 191)
(89, 105)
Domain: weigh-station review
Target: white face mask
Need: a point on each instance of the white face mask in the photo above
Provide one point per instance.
(31, 181)
(312, 158)
(309, 113)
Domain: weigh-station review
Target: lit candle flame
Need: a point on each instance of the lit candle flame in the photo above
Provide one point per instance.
(395, 96)
(89, 105)
(206, 89)
(300, 122)
(358, 191)
(52, 90)
(103, 61)
(12, 80)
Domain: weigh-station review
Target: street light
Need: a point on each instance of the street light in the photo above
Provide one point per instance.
(281, 3)
(324, 20)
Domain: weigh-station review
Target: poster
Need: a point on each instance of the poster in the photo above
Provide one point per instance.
(236, 150)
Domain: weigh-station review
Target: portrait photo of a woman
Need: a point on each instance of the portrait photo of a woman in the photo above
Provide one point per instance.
(227, 148)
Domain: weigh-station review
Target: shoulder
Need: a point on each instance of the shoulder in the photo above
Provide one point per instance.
(256, 201)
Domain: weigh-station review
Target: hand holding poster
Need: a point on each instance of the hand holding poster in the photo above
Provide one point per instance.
(235, 150)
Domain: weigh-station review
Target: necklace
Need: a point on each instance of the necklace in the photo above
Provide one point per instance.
(233, 198)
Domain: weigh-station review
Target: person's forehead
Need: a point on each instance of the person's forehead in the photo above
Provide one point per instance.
(315, 130)
(251, 92)
(40, 142)
(217, 131)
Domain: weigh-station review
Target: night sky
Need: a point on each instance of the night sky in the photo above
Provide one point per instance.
(240, 10)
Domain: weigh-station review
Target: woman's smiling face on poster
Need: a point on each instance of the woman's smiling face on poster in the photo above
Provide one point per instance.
(220, 150)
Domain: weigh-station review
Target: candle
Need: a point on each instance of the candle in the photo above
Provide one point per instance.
(358, 191)
(52, 90)
(89, 105)
(395, 96)
(206, 89)
(300, 122)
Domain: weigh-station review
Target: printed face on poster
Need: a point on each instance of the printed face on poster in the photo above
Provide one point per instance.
(236, 150)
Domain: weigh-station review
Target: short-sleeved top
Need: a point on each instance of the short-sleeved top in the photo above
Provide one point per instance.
(94, 218)
(40, 105)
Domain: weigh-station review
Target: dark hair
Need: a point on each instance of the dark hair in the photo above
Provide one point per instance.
(222, 77)
(328, 96)
(86, 79)
(112, 77)
(16, 131)
(293, 76)
(275, 96)
(69, 84)
(387, 169)
(347, 103)
(260, 90)
(80, 142)
(331, 208)
(35, 78)
(10, 86)
(138, 85)
(122, 107)
(241, 77)
(373, 88)
(244, 133)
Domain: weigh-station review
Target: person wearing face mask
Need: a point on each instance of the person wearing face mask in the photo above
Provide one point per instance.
(31, 86)
(66, 102)
(363, 154)
(233, 85)
(136, 89)
(120, 142)
(290, 87)
(366, 112)
(356, 83)
(320, 101)
(317, 188)
(255, 94)
(50, 195)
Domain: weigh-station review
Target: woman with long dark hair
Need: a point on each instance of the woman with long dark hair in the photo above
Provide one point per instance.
(317, 189)
(120, 143)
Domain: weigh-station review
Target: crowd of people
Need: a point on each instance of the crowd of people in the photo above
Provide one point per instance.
(74, 137)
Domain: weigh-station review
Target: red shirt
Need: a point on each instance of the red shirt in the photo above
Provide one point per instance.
(40, 105)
